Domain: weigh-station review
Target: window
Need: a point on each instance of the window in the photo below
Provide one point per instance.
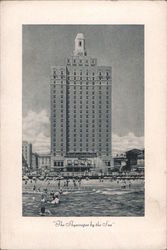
(80, 43)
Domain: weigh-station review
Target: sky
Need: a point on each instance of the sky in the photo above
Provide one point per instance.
(118, 46)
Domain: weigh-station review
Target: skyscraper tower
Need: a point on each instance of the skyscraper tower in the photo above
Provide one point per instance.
(80, 108)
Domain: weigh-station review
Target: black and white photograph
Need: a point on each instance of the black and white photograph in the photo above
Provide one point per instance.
(83, 125)
(83, 120)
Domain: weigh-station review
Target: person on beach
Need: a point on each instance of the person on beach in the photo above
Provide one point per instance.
(67, 182)
(79, 182)
(44, 211)
(52, 194)
(56, 200)
(34, 188)
(43, 205)
(60, 191)
(74, 183)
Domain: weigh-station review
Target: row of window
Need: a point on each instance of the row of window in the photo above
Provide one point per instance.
(62, 154)
(81, 88)
(88, 72)
(107, 150)
(87, 83)
(62, 84)
(81, 62)
(81, 72)
(85, 78)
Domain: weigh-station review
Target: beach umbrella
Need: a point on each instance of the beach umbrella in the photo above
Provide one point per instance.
(25, 177)
(60, 178)
(41, 178)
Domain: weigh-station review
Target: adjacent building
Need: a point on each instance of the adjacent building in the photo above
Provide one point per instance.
(80, 96)
(44, 161)
(120, 162)
(27, 154)
(35, 161)
(135, 159)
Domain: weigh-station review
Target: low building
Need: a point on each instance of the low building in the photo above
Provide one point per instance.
(44, 161)
(120, 162)
(133, 158)
(140, 162)
(27, 153)
(35, 157)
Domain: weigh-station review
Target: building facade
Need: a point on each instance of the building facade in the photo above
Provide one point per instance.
(35, 161)
(80, 108)
(135, 158)
(44, 161)
(27, 153)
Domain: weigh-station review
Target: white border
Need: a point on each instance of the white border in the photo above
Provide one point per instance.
(148, 232)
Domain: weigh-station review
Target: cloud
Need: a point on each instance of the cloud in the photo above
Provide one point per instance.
(121, 144)
(36, 129)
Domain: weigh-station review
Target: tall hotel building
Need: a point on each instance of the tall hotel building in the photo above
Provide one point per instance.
(80, 109)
